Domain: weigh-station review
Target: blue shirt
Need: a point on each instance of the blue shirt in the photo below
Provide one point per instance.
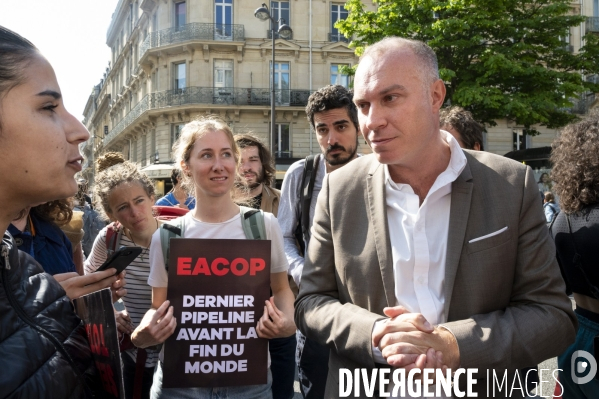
(49, 246)
(551, 210)
(170, 200)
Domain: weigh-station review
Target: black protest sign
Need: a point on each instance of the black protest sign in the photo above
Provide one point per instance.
(217, 289)
(96, 311)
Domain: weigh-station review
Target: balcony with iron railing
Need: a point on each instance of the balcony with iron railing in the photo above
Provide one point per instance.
(337, 37)
(582, 105)
(592, 24)
(191, 32)
(220, 96)
(592, 78)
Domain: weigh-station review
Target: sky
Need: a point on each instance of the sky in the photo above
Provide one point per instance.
(71, 34)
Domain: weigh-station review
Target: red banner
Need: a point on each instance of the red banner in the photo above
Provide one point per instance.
(96, 311)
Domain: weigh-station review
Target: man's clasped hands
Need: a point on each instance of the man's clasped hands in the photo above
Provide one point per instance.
(407, 340)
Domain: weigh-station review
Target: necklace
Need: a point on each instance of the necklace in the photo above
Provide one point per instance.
(144, 250)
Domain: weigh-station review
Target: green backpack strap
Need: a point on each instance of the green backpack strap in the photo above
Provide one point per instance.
(252, 221)
(172, 229)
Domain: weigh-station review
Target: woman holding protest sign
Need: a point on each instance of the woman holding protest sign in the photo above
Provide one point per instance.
(125, 196)
(208, 157)
(45, 351)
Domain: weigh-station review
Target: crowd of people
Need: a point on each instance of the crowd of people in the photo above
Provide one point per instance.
(428, 253)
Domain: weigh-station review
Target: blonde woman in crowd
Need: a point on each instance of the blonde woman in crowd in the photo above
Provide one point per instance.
(208, 157)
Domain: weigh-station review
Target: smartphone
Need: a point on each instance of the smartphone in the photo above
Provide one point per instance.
(120, 259)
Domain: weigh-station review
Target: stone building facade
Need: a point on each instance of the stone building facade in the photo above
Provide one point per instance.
(174, 60)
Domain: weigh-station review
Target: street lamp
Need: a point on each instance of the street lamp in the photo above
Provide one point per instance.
(284, 31)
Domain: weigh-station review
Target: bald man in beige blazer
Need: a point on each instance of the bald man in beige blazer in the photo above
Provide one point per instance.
(499, 302)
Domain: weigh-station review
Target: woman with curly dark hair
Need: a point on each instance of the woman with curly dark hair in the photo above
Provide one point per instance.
(125, 196)
(576, 231)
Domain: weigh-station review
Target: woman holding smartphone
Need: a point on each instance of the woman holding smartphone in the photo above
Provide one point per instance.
(125, 196)
(207, 154)
(45, 351)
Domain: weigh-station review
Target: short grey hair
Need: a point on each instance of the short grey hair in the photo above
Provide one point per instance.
(430, 70)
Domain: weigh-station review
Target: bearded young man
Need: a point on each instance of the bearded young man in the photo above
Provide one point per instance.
(257, 172)
(334, 119)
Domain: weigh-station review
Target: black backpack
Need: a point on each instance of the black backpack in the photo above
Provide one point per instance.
(302, 230)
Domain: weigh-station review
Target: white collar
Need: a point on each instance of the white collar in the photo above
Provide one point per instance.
(457, 163)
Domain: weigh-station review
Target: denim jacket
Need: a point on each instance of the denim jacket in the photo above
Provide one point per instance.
(49, 246)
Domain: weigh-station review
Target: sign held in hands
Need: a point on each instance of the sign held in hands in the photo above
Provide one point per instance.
(96, 311)
(217, 289)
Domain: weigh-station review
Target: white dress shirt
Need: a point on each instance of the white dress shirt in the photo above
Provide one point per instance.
(290, 211)
(418, 235)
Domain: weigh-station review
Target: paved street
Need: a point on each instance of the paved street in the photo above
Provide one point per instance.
(547, 391)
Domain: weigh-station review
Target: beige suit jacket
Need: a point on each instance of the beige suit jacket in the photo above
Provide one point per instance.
(505, 297)
(270, 199)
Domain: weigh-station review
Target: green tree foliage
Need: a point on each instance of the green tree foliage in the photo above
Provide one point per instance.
(499, 59)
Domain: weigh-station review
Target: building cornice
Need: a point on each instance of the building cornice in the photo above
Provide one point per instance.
(148, 6)
(116, 21)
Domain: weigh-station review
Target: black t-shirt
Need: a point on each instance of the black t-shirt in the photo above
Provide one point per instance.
(585, 235)
(256, 201)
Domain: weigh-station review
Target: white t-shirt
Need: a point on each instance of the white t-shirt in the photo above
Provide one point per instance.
(230, 229)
